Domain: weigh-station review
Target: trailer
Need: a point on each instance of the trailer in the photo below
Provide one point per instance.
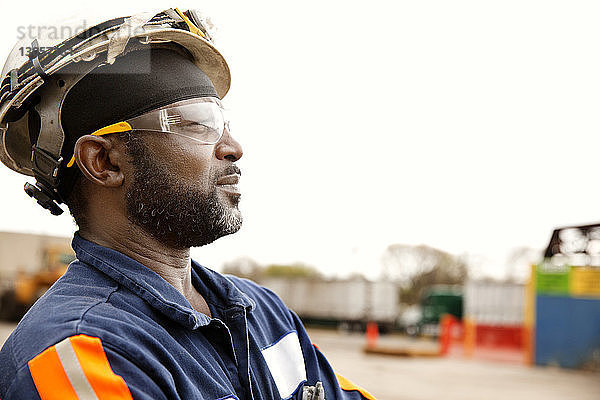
(348, 304)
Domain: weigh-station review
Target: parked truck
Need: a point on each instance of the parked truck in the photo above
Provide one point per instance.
(435, 302)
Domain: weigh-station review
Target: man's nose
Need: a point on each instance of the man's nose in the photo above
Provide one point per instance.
(227, 148)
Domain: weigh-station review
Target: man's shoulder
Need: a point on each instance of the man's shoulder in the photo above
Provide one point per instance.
(81, 292)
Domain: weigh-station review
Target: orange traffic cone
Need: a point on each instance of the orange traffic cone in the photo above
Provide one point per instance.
(372, 334)
(446, 323)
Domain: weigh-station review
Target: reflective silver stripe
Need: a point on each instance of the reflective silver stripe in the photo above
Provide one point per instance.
(72, 368)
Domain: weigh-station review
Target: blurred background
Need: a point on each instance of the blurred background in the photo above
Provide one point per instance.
(407, 168)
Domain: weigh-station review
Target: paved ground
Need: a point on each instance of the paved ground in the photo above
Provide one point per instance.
(392, 378)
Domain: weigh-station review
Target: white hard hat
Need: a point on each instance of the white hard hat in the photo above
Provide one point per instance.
(32, 73)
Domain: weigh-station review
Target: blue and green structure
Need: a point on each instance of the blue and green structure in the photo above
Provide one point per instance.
(562, 317)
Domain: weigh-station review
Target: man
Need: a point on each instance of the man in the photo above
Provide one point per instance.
(147, 166)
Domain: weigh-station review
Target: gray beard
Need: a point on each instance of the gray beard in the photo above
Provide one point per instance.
(176, 215)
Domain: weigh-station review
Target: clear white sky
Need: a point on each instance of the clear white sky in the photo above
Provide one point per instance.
(472, 126)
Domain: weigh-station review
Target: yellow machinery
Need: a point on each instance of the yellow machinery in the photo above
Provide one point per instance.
(28, 287)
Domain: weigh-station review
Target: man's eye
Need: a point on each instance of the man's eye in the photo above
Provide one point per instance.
(191, 123)
(193, 127)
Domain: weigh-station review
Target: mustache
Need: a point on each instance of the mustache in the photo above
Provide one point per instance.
(230, 170)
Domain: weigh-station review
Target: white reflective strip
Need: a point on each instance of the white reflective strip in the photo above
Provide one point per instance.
(72, 368)
(286, 363)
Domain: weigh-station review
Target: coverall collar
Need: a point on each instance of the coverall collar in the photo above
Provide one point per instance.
(217, 289)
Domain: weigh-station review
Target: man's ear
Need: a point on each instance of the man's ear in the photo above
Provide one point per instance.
(100, 160)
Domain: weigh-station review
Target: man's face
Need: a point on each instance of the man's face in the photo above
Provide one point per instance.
(182, 192)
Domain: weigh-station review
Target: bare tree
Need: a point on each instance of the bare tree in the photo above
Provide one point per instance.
(244, 267)
(519, 261)
(417, 267)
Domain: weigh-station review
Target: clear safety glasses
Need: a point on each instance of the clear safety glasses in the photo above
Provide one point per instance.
(201, 119)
